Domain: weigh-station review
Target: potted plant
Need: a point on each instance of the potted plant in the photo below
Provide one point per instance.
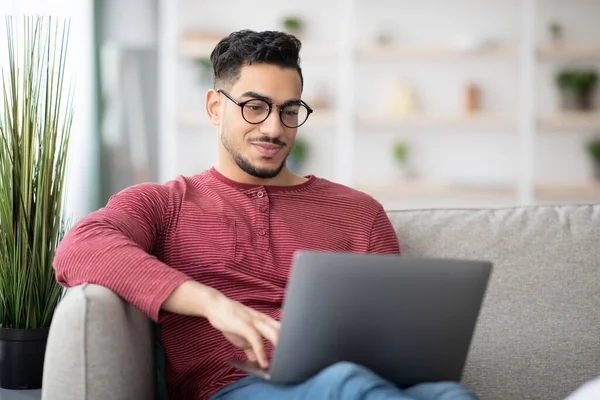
(298, 155)
(556, 32)
(400, 153)
(593, 149)
(35, 123)
(577, 89)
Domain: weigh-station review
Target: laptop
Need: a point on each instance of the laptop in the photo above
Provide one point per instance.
(408, 319)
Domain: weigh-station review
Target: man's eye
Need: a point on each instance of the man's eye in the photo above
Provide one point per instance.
(254, 107)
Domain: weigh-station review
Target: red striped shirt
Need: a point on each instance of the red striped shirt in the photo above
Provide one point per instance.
(238, 238)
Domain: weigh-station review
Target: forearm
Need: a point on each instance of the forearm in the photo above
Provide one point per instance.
(191, 298)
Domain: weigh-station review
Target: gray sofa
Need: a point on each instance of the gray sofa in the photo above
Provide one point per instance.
(538, 336)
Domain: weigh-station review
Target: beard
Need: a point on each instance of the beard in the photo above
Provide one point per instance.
(245, 165)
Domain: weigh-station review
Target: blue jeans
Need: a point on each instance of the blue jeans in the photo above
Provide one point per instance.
(341, 381)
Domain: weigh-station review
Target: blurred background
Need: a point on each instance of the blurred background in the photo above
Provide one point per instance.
(420, 103)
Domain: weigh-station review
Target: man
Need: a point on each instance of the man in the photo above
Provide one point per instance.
(208, 256)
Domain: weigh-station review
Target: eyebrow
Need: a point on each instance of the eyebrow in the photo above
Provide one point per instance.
(256, 95)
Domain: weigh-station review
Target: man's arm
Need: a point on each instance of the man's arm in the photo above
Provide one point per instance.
(114, 246)
(383, 238)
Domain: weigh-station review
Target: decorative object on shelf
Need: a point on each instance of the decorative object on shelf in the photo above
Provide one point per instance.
(298, 155)
(293, 24)
(384, 34)
(556, 33)
(384, 38)
(472, 98)
(206, 70)
(593, 149)
(402, 100)
(35, 124)
(577, 88)
(400, 152)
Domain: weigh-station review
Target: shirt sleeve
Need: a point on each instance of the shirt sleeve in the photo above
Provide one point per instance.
(383, 238)
(114, 247)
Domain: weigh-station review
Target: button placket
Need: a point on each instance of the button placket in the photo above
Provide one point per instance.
(262, 220)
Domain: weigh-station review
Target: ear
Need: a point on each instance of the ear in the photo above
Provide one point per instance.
(213, 106)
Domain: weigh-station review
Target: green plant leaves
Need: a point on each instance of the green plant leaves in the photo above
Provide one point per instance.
(35, 124)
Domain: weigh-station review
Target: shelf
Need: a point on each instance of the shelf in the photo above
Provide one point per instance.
(429, 188)
(199, 47)
(570, 53)
(568, 191)
(569, 120)
(438, 120)
(199, 120)
(392, 52)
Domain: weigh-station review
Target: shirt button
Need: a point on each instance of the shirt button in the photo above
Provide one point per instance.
(260, 194)
(262, 232)
(263, 209)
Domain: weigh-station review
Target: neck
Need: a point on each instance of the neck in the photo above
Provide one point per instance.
(235, 173)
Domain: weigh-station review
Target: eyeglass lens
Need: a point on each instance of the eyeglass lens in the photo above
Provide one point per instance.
(292, 115)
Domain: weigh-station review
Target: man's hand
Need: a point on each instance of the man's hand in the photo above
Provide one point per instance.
(244, 327)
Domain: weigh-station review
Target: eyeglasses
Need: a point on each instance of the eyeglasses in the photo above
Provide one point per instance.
(255, 111)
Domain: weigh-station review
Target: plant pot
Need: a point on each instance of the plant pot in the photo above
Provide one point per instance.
(22, 357)
(402, 172)
(573, 100)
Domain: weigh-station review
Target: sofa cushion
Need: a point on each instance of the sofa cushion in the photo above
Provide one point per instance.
(99, 347)
(538, 335)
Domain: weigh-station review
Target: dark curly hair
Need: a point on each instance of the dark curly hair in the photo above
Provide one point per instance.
(248, 47)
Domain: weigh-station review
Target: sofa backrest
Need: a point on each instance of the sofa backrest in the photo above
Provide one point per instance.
(538, 335)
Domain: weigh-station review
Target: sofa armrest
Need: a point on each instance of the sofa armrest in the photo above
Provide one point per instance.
(99, 347)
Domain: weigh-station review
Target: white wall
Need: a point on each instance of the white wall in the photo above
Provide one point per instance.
(81, 185)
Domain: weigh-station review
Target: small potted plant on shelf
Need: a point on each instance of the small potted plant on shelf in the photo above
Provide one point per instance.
(593, 149)
(298, 155)
(556, 32)
(35, 124)
(400, 153)
(577, 89)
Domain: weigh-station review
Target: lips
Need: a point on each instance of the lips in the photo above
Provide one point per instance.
(266, 149)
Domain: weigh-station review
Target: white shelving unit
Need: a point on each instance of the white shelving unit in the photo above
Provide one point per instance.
(437, 120)
(336, 52)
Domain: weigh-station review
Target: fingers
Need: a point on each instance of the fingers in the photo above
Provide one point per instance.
(267, 330)
(271, 322)
(266, 319)
(253, 337)
(250, 355)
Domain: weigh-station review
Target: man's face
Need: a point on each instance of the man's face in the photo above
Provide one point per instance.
(260, 150)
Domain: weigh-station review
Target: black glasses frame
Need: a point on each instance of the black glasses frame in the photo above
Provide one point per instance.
(241, 105)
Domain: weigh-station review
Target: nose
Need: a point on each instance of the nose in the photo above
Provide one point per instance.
(272, 126)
